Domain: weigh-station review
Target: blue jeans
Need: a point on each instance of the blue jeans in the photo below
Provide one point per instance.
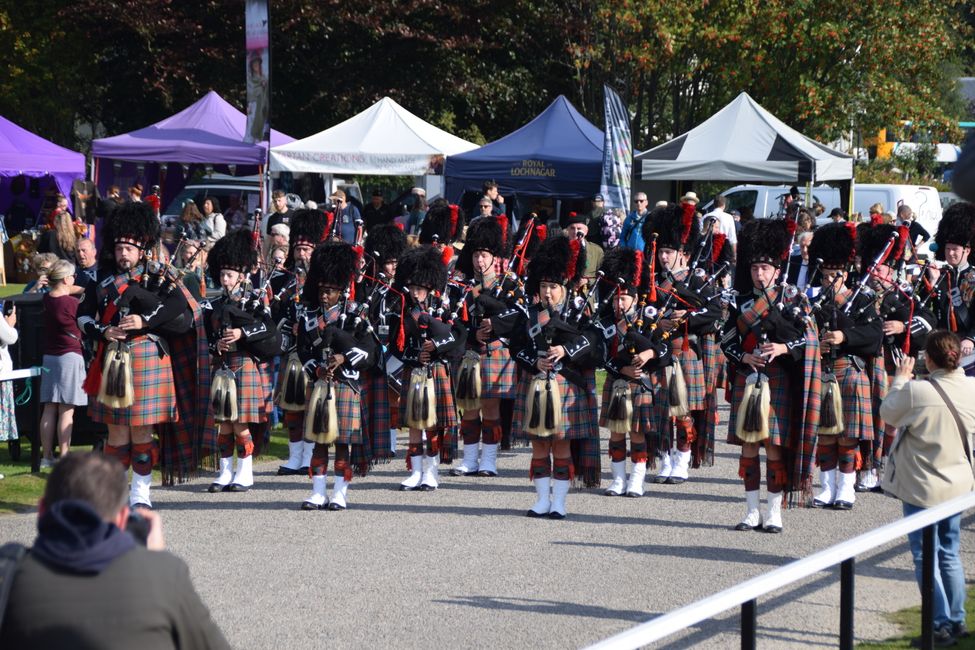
(949, 575)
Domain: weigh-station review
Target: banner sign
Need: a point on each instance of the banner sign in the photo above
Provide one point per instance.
(258, 71)
(617, 152)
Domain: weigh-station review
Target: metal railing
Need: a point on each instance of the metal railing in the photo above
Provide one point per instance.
(746, 594)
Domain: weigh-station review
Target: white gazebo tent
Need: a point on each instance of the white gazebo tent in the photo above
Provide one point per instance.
(383, 140)
(744, 142)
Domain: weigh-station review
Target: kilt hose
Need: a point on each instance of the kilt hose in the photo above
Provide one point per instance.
(643, 415)
(780, 404)
(580, 425)
(498, 377)
(694, 379)
(447, 419)
(252, 387)
(154, 390)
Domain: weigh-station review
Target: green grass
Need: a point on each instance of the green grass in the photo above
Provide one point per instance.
(909, 621)
(11, 290)
(20, 490)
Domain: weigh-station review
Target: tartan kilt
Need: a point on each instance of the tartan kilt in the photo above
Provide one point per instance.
(252, 389)
(713, 359)
(377, 415)
(780, 404)
(694, 374)
(643, 414)
(497, 372)
(348, 406)
(154, 390)
(578, 408)
(857, 402)
(443, 389)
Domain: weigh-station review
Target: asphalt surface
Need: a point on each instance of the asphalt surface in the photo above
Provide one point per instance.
(463, 567)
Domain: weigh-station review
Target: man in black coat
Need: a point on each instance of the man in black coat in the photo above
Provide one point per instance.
(87, 582)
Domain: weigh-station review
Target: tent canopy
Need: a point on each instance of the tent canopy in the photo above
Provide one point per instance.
(209, 131)
(559, 153)
(22, 152)
(744, 142)
(383, 140)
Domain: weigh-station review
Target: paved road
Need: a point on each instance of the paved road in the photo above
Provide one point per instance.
(463, 568)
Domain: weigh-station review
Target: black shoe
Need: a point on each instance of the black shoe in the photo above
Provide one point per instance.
(287, 471)
(216, 487)
(674, 480)
(609, 493)
(743, 526)
(141, 506)
(959, 631)
(308, 505)
(943, 637)
(536, 515)
(457, 472)
(775, 530)
(334, 506)
(237, 487)
(486, 473)
(556, 515)
(634, 495)
(660, 479)
(426, 488)
(842, 505)
(821, 504)
(860, 488)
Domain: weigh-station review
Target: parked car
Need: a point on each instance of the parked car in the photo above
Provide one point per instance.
(238, 196)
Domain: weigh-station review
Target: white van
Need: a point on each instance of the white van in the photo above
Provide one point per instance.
(766, 200)
(923, 200)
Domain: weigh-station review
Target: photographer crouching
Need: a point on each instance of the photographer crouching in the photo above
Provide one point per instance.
(88, 581)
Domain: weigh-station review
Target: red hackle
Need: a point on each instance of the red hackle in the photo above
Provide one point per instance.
(448, 253)
(904, 235)
(851, 229)
(503, 222)
(638, 271)
(329, 222)
(876, 219)
(687, 219)
(541, 232)
(454, 217)
(575, 246)
(718, 241)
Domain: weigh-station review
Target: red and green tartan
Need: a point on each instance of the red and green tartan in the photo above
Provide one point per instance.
(713, 359)
(154, 391)
(643, 414)
(251, 389)
(189, 445)
(857, 404)
(497, 372)
(447, 419)
(348, 406)
(797, 423)
(873, 454)
(376, 416)
(693, 370)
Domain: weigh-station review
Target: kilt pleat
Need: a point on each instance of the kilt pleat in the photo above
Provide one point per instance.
(252, 387)
(694, 378)
(579, 408)
(857, 403)
(498, 377)
(780, 409)
(443, 389)
(348, 406)
(643, 414)
(376, 416)
(154, 390)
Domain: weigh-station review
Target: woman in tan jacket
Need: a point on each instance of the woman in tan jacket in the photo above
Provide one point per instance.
(930, 463)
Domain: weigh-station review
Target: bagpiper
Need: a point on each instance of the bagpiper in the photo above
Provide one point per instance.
(631, 357)
(882, 249)
(851, 335)
(309, 228)
(487, 372)
(773, 355)
(555, 345)
(334, 351)
(242, 335)
(132, 314)
(687, 311)
(431, 341)
(954, 286)
(385, 245)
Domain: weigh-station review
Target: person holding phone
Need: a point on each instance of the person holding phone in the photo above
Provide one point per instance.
(8, 336)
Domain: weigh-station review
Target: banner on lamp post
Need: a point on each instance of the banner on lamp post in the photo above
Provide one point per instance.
(258, 40)
(617, 152)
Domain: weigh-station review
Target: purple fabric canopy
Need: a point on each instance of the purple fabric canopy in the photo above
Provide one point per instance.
(210, 131)
(22, 152)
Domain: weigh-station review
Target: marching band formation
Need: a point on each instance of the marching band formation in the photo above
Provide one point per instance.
(501, 337)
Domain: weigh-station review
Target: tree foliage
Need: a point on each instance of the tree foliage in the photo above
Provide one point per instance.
(482, 68)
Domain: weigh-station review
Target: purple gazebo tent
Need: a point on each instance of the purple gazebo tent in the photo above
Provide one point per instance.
(22, 152)
(208, 132)
(211, 131)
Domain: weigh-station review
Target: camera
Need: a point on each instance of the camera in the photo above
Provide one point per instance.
(138, 527)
